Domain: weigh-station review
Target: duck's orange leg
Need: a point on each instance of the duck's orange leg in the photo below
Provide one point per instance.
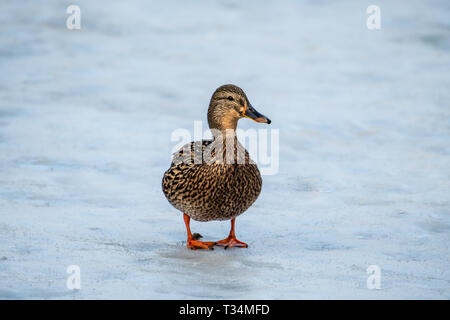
(231, 240)
(192, 242)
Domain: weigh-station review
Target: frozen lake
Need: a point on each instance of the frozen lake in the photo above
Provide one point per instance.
(364, 120)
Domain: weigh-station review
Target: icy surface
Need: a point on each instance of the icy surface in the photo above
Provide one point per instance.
(85, 124)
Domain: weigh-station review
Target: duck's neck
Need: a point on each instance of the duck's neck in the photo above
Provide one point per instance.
(230, 149)
(220, 121)
(223, 134)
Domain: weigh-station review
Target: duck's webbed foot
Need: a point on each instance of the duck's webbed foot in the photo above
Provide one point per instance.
(231, 241)
(196, 244)
(192, 239)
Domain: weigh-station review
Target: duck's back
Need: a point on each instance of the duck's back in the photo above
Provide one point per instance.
(215, 191)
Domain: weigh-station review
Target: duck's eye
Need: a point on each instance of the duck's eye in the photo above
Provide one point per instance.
(230, 98)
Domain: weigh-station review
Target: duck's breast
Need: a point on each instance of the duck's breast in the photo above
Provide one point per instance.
(214, 191)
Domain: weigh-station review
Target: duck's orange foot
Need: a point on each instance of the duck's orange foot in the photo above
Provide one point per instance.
(196, 244)
(231, 242)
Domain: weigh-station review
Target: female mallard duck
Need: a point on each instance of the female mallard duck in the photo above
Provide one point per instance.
(225, 181)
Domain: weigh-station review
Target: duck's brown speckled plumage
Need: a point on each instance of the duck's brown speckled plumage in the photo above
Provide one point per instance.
(215, 191)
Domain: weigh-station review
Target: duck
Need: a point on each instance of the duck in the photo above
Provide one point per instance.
(216, 179)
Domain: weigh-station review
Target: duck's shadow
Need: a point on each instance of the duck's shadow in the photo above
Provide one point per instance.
(215, 273)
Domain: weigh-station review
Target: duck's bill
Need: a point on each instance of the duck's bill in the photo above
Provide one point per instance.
(251, 113)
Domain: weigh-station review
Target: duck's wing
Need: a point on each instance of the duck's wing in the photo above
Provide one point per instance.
(184, 182)
(191, 153)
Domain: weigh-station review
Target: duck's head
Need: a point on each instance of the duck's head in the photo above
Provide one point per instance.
(229, 104)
